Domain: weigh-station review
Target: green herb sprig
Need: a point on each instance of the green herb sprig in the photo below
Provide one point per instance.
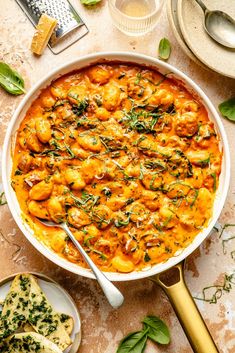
(153, 328)
(10, 80)
(81, 106)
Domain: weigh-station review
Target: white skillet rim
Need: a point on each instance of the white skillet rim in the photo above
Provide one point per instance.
(127, 57)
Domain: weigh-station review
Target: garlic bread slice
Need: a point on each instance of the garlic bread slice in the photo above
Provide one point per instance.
(15, 307)
(29, 342)
(44, 319)
(66, 320)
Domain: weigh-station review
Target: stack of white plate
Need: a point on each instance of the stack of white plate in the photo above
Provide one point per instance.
(186, 20)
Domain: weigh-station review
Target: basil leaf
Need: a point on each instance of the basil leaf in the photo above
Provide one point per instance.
(227, 109)
(10, 80)
(164, 49)
(157, 329)
(90, 2)
(135, 342)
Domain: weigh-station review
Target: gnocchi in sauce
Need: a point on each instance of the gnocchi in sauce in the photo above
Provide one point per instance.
(126, 156)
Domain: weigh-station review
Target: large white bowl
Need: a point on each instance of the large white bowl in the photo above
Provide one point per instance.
(163, 68)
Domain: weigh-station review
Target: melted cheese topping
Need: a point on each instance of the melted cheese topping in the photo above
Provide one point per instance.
(126, 156)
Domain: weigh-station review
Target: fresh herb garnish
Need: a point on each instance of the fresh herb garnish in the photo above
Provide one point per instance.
(57, 149)
(204, 162)
(122, 223)
(213, 175)
(86, 241)
(227, 109)
(64, 317)
(130, 200)
(111, 144)
(123, 74)
(59, 103)
(180, 166)
(138, 78)
(98, 100)
(164, 224)
(153, 328)
(87, 200)
(154, 184)
(147, 258)
(164, 49)
(196, 192)
(171, 109)
(100, 253)
(50, 152)
(106, 191)
(154, 164)
(141, 120)
(79, 108)
(18, 172)
(70, 152)
(10, 80)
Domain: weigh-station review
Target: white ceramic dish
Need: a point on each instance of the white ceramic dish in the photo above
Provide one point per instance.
(77, 64)
(210, 53)
(59, 299)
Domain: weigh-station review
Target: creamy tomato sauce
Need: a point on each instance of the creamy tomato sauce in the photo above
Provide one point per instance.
(127, 157)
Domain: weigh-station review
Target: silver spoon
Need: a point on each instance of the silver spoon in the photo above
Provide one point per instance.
(114, 296)
(219, 25)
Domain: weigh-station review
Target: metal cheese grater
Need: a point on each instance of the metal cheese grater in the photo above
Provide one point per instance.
(70, 26)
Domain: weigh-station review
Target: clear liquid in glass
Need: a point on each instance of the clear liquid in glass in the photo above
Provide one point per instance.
(135, 17)
(134, 8)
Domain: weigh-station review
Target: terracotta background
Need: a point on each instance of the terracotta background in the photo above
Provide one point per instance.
(103, 327)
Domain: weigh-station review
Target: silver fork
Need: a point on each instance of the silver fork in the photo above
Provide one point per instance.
(113, 295)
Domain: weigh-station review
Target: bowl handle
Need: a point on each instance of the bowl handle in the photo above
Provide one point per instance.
(186, 310)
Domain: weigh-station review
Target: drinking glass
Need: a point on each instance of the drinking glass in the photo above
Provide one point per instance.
(135, 17)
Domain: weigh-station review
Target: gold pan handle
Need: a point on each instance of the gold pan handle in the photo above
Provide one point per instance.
(186, 310)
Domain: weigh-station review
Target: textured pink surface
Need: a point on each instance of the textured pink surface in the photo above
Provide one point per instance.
(103, 327)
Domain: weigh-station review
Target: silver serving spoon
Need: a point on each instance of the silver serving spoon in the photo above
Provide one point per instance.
(219, 25)
(114, 296)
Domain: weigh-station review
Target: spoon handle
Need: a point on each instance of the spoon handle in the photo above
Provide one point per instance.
(114, 296)
(203, 6)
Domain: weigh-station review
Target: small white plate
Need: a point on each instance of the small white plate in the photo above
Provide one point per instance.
(174, 24)
(58, 298)
(212, 54)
